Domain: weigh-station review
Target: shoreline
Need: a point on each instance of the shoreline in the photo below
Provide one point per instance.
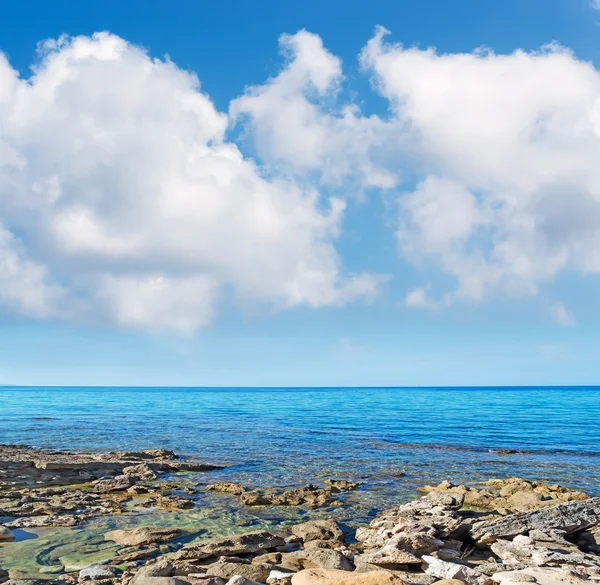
(46, 496)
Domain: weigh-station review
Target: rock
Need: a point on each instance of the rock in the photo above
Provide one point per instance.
(116, 484)
(452, 501)
(338, 485)
(541, 576)
(449, 582)
(316, 558)
(278, 577)
(570, 517)
(97, 573)
(6, 534)
(226, 569)
(4, 576)
(142, 535)
(140, 471)
(237, 580)
(157, 574)
(250, 542)
(318, 530)
(448, 570)
(333, 577)
(224, 487)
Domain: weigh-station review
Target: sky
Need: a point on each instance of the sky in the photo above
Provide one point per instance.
(387, 193)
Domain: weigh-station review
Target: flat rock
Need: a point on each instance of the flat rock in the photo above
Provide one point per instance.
(142, 535)
(250, 542)
(116, 484)
(570, 517)
(539, 575)
(238, 580)
(227, 570)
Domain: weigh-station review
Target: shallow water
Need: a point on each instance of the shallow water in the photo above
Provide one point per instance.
(392, 439)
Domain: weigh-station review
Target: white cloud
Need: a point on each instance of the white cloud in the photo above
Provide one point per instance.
(123, 201)
(595, 4)
(507, 149)
(295, 124)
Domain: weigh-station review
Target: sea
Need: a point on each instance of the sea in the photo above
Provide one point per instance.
(392, 440)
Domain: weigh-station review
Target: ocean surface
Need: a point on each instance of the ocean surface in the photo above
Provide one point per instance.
(394, 440)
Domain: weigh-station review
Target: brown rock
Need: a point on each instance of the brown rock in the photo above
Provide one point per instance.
(318, 530)
(333, 577)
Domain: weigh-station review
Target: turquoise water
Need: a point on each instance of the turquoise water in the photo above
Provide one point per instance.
(392, 439)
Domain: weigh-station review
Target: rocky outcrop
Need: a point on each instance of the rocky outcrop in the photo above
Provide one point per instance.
(570, 516)
(250, 542)
(318, 530)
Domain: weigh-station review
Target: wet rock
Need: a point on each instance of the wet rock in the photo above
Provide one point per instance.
(116, 484)
(250, 542)
(333, 577)
(6, 534)
(342, 485)
(321, 558)
(3, 576)
(318, 530)
(97, 573)
(143, 535)
(570, 516)
(225, 487)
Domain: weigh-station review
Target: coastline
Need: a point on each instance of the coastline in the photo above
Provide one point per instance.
(56, 503)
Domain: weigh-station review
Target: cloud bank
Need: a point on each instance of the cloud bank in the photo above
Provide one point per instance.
(124, 199)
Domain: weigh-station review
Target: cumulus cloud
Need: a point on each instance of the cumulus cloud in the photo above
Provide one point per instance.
(296, 122)
(123, 202)
(508, 147)
(562, 315)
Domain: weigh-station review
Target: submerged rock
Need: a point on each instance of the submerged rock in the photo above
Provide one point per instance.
(143, 535)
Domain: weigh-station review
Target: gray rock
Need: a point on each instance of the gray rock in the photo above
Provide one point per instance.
(158, 574)
(97, 573)
(116, 484)
(3, 576)
(449, 570)
(570, 517)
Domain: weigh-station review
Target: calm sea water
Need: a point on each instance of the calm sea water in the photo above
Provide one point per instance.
(287, 436)
(393, 439)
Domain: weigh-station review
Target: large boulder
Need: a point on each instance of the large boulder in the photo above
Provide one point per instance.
(570, 517)
(239, 544)
(143, 535)
(333, 577)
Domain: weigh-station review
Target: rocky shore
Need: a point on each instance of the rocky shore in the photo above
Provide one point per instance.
(506, 531)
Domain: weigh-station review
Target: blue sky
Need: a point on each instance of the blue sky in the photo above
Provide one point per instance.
(332, 207)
